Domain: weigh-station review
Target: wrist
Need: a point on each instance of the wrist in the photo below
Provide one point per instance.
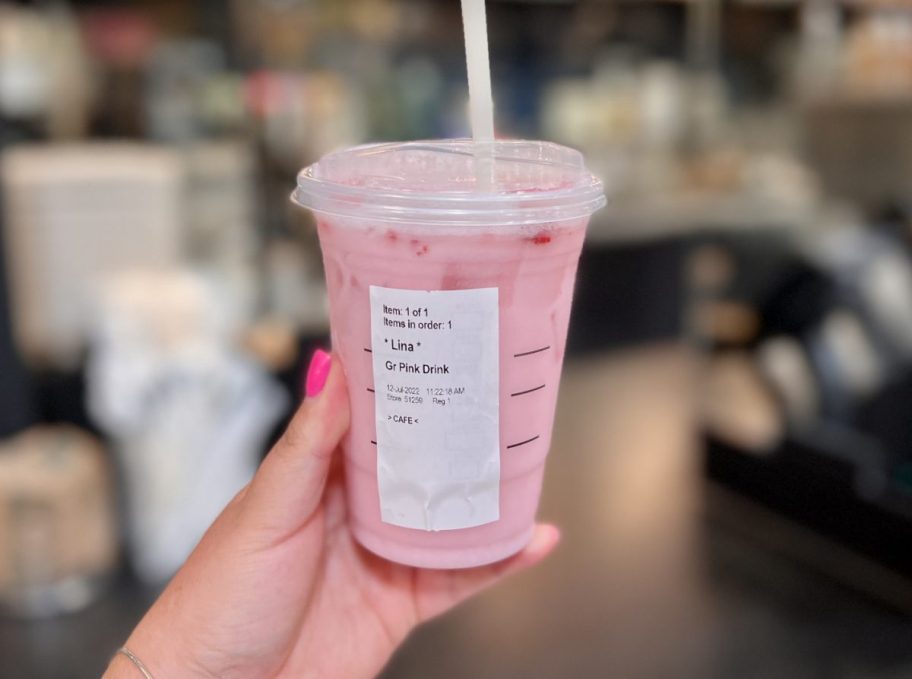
(162, 651)
(120, 667)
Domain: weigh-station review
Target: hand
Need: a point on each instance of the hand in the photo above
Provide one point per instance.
(278, 587)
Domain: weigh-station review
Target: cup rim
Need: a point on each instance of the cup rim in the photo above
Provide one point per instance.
(578, 196)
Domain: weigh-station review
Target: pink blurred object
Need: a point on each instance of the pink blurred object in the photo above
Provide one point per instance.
(120, 37)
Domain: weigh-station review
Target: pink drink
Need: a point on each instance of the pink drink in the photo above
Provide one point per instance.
(428, 227)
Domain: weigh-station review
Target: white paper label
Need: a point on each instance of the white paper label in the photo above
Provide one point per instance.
(437, 393)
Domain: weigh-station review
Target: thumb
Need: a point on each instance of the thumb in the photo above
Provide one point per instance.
(288, 487)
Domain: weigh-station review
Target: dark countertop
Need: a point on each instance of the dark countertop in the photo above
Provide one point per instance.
(660, 574)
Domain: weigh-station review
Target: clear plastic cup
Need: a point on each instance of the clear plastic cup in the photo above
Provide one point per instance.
(449, 299)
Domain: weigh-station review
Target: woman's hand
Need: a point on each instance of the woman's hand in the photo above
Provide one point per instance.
(278, 587)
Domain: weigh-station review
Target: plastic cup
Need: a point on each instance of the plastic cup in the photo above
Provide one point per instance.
(449, 304)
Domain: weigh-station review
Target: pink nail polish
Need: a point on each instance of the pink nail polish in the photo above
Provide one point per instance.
(317, 373)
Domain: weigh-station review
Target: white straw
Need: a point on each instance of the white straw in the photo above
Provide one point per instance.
(478, 60)
(481, 100)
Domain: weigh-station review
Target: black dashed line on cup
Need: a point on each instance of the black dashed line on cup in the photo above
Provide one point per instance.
(522, 443)
(531, 353)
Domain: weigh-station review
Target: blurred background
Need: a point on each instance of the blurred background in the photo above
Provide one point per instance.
(732, 462)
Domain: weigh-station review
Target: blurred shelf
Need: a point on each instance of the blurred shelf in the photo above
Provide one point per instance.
(680, 215)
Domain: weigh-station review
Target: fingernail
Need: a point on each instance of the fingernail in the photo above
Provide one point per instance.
(317, 373)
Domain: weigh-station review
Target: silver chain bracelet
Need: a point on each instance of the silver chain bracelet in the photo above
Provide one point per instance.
(124, 651)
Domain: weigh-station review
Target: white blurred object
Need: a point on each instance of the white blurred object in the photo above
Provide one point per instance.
(708, 109)
(785, 364)
(44, 69)
(662, 99)
(221, 216)
(887, 288)
(74, 213)
(820, 51)
(221, 202)
(188, 412)
(853, 356)
(25, 85)
(569, 112)
(879, 272)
